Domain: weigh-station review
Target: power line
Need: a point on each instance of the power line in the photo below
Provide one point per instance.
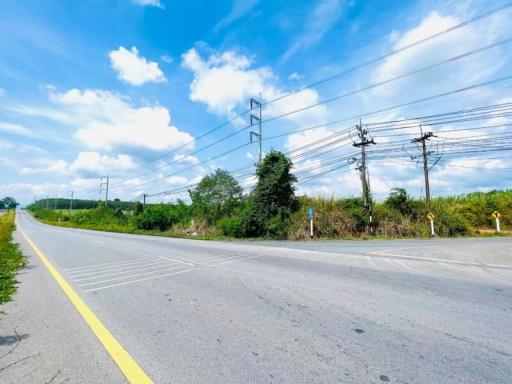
(326, 101)
(387, 109)
(402, 49)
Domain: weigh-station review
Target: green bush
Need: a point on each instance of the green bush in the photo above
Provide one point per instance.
(231, 226)
(158, 217)
(11, 258)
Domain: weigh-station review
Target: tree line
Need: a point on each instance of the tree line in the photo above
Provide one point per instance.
(219, 207)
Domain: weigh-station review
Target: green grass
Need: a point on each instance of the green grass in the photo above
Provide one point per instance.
(11, 259)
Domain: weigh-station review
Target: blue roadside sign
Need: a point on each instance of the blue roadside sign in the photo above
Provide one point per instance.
(311, 213)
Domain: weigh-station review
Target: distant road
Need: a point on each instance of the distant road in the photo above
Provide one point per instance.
(187, 311)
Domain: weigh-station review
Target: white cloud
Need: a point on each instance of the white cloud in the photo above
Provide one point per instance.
(58, 167)
(295, 76)
(324, 16)
(166, 59)
(15, 129)
(106, 120)
(86, 163)
(25, 192)
(239, 9)
(93, 163)
(153, 3)
(226, 80)
(449, 45)
(133, 68)
(186, 159)
(177, 180)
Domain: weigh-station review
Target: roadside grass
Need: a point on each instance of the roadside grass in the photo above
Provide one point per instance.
(11, 258)
(130, 229)
(127, 228)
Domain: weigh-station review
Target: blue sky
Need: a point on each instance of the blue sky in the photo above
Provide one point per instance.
(127, 87)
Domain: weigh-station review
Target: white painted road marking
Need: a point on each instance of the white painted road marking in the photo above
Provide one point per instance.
(158, 267)
(431, 259)
(138, 280)
(127, 277)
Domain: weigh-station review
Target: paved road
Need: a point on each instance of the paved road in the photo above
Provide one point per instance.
(429, 311)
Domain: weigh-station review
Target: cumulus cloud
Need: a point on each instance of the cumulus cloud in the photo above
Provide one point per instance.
(106, 120)
(93, 163)
(133, 68)
(226, 80)
(58, 167)
(89, 164)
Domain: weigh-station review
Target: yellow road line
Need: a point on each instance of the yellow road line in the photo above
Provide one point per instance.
(122, 358)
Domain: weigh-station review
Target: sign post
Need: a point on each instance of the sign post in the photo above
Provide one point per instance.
(311, 214)
(431, 217)
(496, 216)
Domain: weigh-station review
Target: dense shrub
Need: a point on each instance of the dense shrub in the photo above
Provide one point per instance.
(332, 219)
(231, 226)
(158, 217)
(11, 258)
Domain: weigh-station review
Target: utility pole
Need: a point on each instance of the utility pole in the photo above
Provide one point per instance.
(144, 200)
(256, 119)
(424, 137)
(71, 202)
(361, 166)
(104, 183)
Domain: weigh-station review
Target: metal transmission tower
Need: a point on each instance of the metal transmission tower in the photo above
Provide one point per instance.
(256, 120)
(105, 183)
(425, 154)
(362, 133)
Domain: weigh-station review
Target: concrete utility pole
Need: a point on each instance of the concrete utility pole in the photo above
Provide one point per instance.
(365, 178)
(144, 200)
(424, 137)
(256, 120)
(105, 183)
(71, 202)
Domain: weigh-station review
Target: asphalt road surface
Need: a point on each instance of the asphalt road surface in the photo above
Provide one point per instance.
(409, 311)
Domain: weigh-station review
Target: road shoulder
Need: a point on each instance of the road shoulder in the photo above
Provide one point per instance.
(43, 338)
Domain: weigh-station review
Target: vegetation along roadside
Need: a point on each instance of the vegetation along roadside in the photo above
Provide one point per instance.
(11, 258)
(219, 208)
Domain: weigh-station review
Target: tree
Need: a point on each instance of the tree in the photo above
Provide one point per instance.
(138, 209)
(216, 195)
(273, 198)
(400, 201)
(9, 202)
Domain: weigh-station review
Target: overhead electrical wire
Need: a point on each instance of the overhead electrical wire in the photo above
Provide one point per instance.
(373, 61)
